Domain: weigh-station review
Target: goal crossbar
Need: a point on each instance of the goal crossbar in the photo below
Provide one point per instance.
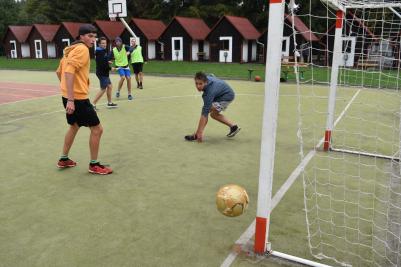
(343, 4)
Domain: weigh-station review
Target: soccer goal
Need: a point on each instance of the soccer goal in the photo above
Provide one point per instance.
(342, 57)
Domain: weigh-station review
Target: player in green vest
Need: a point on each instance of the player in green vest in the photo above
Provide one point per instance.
(120, 55)
(137, 62)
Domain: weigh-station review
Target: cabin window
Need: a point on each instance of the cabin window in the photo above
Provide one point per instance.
(201, 46)
(225, 45)
(65, 43)
(284, 46)
(177, 45)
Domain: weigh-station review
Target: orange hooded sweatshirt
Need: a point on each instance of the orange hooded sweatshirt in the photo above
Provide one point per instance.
(76, 60)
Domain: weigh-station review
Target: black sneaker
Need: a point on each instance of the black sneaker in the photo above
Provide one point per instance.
(94, 107)
(111, 105)
(233, 131)
(191, 137)
(140, 86)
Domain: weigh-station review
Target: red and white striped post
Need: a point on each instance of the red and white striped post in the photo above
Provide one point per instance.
(337, 52)
(270, 112)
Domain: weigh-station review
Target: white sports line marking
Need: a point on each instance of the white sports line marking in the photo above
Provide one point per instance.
(250, 231)
(62, 110)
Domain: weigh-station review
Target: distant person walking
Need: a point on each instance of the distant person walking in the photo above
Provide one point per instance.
(137, 62)
(73, 73)
(120, 56)
(217, 95)
(103, 73)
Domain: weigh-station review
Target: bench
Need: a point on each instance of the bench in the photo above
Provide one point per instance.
(201, 56)
(250, 73)
(367, 65)
(288, 67)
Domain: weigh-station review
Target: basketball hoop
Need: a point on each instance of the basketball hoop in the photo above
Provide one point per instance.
(117, 9)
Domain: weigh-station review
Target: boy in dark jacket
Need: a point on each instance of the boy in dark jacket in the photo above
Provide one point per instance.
(102, 73)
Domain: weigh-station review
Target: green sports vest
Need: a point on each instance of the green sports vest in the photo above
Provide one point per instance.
(120, 57)
(136, 56)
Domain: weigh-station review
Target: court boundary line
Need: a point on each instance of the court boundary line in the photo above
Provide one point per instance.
(250, 231)
(123, 101)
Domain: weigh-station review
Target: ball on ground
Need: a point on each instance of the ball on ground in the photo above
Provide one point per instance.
(232, 200)
(257, 78)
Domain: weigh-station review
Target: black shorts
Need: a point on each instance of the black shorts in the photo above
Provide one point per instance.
(138, 67)
(84, 114)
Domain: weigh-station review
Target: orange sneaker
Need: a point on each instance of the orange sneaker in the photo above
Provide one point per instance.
(98, 168)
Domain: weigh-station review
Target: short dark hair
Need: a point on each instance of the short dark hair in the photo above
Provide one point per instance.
(85, 29)
(102, 39)
(200, 76)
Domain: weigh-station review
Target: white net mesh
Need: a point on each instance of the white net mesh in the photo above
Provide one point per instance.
(352, 194)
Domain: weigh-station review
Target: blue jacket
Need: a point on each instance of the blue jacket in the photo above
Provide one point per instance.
(102, 62)
(216, 90)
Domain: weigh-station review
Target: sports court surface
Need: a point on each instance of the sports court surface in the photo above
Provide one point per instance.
(158, 207)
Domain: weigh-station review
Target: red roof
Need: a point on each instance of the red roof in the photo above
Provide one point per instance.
(243, 26)
(151, 28)
(20, 32)
(300, 26)
(72, 28)
(196, 28)
(111, 29)
(47, 31)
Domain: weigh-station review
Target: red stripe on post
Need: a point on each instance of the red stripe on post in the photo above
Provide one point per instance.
(339, 20)
(327, 137)
(260, 235)
(275, 1)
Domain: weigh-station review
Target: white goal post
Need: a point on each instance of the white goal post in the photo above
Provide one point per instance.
(349, 115)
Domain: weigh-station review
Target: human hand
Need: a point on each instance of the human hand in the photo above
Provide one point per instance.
(199, 137)
(70, 107)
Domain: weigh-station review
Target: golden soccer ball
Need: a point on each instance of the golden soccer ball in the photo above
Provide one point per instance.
(232, 200)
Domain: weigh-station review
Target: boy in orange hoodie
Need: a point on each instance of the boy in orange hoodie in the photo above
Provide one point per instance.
(73, 73)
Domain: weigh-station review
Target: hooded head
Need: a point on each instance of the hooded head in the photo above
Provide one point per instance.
(118, 41)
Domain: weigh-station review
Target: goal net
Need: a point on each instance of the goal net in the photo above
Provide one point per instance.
(348, 79)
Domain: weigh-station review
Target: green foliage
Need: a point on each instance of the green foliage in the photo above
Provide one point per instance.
(9, 10)
(50, 11)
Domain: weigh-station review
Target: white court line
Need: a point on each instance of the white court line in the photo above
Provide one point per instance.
(27, 89)
(135, 99)
(25, 100)
(250, 231)
(63, 110)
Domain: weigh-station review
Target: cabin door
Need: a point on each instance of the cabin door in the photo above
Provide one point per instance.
(348, 52)
(226, 49)
(177, 51)
(13, 49)
(38, 49)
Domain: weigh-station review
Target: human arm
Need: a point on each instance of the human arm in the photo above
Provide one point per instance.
(76, 59)
(58, 71)
(129, 49)
(69, 78)
(201, 127)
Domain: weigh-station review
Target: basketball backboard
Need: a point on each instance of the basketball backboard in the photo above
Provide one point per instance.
(117, 8)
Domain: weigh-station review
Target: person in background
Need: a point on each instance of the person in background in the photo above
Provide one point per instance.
(137, 62)
(120, 55)
(103, 73)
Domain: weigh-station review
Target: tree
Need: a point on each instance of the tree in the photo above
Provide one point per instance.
(9, 10)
